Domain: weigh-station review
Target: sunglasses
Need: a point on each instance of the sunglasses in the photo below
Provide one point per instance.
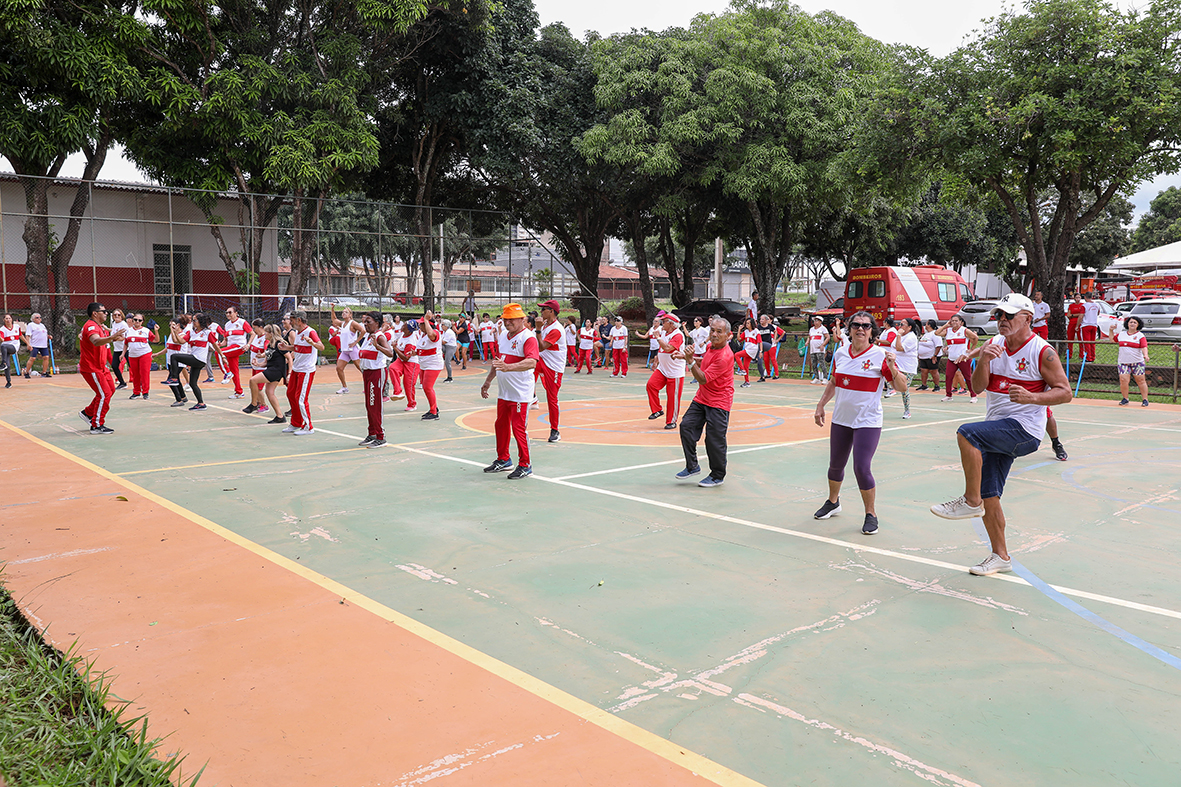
(864, 326)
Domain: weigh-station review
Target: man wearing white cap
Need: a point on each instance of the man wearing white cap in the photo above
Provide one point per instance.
(1022, 376)
(668, 373)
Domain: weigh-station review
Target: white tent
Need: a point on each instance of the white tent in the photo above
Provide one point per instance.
(1167, 256)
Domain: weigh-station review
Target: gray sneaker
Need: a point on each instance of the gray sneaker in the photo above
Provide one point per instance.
(828, 509)
(957, 509)
(992, 564)
(871, 525)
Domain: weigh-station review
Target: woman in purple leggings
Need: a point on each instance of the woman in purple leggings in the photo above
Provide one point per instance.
(857, 373)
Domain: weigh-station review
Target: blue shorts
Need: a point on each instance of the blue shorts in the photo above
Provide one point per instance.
(1000, 442)
(38, 352)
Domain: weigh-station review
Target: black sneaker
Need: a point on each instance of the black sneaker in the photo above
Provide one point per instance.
(656, 415)
(287, 414)
(376, 443)
(198, 406)
(367, 440)
(144, 397)
(430, 416)
(671, 425)
(922, 388)
(278, 419)
(828, 509)
(871, 525)
(522, 471)
(133, 396)
(181, 403)
(120, 386)
(499, 465)
(1143, 402)
(84, 416)
(250, 408)
(101, 430)
(1060, 451)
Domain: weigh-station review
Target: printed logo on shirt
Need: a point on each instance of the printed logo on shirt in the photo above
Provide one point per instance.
(1022, 365)
(865, 366)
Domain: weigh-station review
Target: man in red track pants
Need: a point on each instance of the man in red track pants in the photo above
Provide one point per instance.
(669, 373)
(95, 367)
(513, 371)
(552, 362)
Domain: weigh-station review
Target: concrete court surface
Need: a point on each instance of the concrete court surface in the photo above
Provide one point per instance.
(396, 616)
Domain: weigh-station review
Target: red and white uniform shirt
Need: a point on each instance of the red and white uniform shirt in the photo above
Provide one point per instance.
(957, 343)
(304, 358)
(1041, 311)
(1132, 347)
(858, 379)
(430, 353)
(95, 357)
(10, 336)
(236, 332)
(887, 336)
(258, 352)
(409, 345)
(817, 338)
(487, 332)
(517, 386)
(751, 342)
(371, 357)
(1022, 367)
(619, 338)
(198, 343)
(672, 364)
(586, 338)
(555, 356)
(138, 342)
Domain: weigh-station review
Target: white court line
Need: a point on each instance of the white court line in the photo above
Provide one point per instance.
(1119, 602)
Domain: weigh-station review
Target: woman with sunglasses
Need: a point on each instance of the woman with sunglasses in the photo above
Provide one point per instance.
(139, 354)
(857, 375)
(118, 323)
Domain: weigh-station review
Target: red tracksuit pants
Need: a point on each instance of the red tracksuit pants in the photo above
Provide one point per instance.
(512, 419)
(139, 368)
(673, 387)
(428, 387)
(965, 368)
(584, 356)
(394, 372)
(551, 381)
(103, 386)
(232, 353)
(619, 360)
(371, 380)
(1090, 334)
(299, 388)
(409, 380)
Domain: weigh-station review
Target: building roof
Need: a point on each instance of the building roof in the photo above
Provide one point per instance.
(1168, 255)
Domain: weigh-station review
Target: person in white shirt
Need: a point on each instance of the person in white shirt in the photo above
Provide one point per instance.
(119, 349)
(512, 369)
(752, 342)
(406, 350)
(375, 351)
(960, 343)
(488, 341)
(752, 306)
(237, 333)
(1022, 376)
(930, 348)
(886, 339)
(1133, 358)
(817, 341)
(138, 341)
(428, 342)
(653, 337)
(1041, 315)
(1090, 326)
(668, 373)
(10, 338)
(305, 346)
(37, 339)
(619, 349)
(198, 337)
(552, 361)
(856, 428)
(571, 341)
(450, 347)
(906, 350)
(586, 346)
(700, 337)
(350, 332)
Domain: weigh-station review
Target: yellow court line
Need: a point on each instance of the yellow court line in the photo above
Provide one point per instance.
(239, 461)
(662, 747)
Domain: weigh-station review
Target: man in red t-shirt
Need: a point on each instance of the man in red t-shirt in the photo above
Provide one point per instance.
(711, 405)
(1074, 314)
(95, 367)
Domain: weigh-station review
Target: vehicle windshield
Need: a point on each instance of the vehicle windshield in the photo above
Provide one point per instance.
(1155, 308)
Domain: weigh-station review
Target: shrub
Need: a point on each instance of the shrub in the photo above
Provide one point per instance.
(632, 309)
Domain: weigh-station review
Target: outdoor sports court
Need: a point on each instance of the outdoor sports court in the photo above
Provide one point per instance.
(300, 611)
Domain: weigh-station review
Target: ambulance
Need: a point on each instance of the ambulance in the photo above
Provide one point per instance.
(925, 292)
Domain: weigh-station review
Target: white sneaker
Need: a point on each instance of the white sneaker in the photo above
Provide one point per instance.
(289, 429)
(890, 393)
(225, 378)
(343, 390)
(946, 399)
(815, 381)
(905, 415)
(237, 396)
(187, 388)
(957, 509)
(972, 400)
(304, 430)
(992, 564)
(396, 397)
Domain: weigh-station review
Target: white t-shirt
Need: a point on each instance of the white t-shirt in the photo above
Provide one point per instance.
(619, 337)
(928, 345)
(138, 342)
(858, 380)
(430, 356)
(38, 334)
(752, 308)
(517, 386)
(198, 343)
(555, 357)
(700, 337)
(409, 345)
(1132, 347)
(258, 352)
(1024, 367)
(907, 358)
(571, 336)
(887, 336)
(236, 332)
(449, 338)
(487, 331)
(654, 334)
(752, 342)
(672, 364)
(1091, 313)
(11, 336)
(817, 338)
(1040, 312)
(586, 338)
(305, 355)
(371, 357)
(348, 336)
(115, 328)
(957, 343)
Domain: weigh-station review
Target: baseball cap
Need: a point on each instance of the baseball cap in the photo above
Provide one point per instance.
(1014, 303)
(618, 319)
(512, 311)
(670, 316)
(411, 324)
(551, 305)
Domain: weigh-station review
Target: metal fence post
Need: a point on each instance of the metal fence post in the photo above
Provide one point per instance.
(93, 260)
(1176, 355)
(3, 260)
(171, 261)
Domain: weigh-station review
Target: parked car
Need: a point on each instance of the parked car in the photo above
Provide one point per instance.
(1162, 318)
(406, 299)
(733, 311)
(977, 316)
(1124, 308)
(323, 303)
(1109, 319)
(925, 292)
(837, 309)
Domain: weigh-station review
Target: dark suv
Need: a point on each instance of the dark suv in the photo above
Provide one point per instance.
(733, 311)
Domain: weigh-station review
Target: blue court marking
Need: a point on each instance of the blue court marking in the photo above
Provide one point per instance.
(1036, 582)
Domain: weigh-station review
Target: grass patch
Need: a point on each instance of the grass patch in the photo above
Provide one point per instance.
(56, 728)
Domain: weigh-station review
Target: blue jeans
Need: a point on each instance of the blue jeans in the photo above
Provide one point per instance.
(999, 442)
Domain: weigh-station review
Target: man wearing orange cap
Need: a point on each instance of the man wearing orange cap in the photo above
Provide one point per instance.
(553, 361)
(668, 373)
(513, 369)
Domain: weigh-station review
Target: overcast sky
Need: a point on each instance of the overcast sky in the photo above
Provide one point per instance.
(935, 25)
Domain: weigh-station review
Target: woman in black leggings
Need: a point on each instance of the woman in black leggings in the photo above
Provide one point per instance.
(200, 340)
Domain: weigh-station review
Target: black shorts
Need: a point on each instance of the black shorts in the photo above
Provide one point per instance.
(929, 363)
(273, 375)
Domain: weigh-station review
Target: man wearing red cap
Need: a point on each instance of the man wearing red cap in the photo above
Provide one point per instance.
(553, 361)
(669, 372)
(513, 370)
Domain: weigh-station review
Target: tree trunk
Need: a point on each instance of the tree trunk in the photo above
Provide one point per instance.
(638, 229)
(36, 238)
(305, 219)
(426, 263)
(770, 246)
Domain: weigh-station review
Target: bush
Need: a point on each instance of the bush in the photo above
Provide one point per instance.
(632, 309)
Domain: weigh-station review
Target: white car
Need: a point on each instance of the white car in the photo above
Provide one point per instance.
(1109, 319)
(1162, 318)
(977, 316)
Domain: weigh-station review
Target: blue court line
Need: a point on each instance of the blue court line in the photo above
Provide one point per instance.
(1036, 582)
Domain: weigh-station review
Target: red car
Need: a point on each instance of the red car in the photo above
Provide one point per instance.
(406, 299)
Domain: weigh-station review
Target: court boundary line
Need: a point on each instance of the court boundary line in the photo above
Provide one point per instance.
(667, 750)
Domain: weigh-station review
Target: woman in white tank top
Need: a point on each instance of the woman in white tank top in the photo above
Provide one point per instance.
(350, 332)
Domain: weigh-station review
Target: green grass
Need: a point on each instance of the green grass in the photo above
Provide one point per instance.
(56, 727)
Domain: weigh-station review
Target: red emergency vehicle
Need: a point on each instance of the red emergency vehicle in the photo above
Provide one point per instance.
(925, 292)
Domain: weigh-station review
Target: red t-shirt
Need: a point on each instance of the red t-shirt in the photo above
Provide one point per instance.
(718, 367)
(1075, 310)
(95, 357)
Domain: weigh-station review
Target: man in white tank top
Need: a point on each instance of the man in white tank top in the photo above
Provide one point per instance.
(668, 372)
(1022, 376)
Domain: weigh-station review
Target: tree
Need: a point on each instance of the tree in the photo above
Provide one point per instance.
(1161, 223)
(1073, 98)
(65, 77)
(1106, 238)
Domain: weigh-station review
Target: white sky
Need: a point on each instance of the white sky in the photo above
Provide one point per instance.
(936, 25)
